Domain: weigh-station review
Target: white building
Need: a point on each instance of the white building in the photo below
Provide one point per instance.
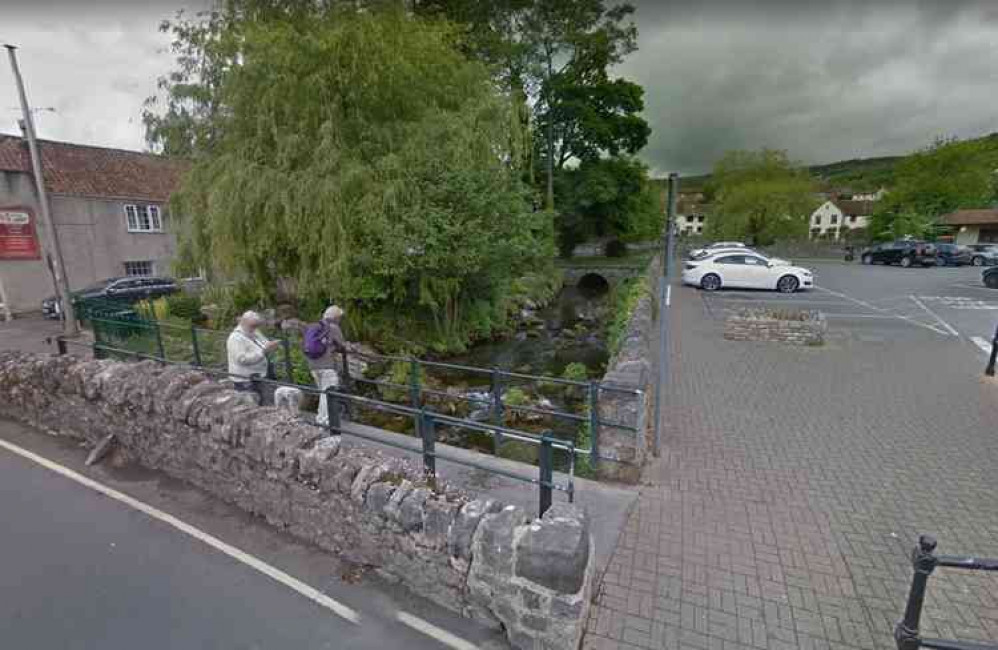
(691, 217)
(869, 196)
(834, 217)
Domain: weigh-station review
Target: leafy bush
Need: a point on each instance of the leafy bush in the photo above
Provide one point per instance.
(625, 300)
(575, 371)
(515, 397)
(185, 305)
(615, 248)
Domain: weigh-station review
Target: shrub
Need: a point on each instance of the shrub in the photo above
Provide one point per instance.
(515, 397)
(185, 305)
(575, 371)
(625, 300)
(615, 248)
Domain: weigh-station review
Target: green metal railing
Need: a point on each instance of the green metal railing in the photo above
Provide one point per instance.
(206, 348)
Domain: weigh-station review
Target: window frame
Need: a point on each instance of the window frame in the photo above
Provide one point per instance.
(143, 218)
(139, 264)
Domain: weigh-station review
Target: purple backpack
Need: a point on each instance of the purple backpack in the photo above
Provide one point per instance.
(314, 344)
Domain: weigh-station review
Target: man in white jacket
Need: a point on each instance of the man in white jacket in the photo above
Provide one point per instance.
(248, 352)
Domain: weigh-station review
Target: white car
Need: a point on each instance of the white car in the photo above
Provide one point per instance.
(741, 270)
(775, 261)
(715, 246)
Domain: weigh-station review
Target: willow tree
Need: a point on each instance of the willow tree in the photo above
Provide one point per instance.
(363, 155)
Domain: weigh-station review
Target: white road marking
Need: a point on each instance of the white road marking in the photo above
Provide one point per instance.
(982, 343)
(270, 571)
(949, 328)
(434, 632)
(961, 302)
(863, 303)
(668, 295)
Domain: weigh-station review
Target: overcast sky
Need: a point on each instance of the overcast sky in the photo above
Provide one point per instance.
(826, 81)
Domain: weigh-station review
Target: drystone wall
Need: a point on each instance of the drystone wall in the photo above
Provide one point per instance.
(623, 452)
(484, 559)
(804, 328)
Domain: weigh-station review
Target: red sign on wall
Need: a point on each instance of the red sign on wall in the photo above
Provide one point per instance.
(18, 239)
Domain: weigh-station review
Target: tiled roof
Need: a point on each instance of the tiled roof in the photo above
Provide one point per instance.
(81, 170)
(971, 217)
(856, 208)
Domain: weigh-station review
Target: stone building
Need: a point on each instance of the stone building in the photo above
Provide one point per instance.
(974, 226)
(109, 207)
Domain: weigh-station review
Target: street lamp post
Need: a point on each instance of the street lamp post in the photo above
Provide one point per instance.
(47, 230)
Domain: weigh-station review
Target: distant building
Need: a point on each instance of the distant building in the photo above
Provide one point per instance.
(869, 196)
(691, 214)
(835, 217)
(109, 207)
(974, 226)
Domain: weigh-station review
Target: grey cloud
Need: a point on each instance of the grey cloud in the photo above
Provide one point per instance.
(825, 81)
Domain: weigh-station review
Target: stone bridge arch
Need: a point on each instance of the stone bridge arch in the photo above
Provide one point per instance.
(593, 276)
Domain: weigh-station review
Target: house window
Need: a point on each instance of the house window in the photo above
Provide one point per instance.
(852, 218)
(817, 219)
(835, 219)
(143, 218)
(701, 218)
(699, 229)
(138, 268)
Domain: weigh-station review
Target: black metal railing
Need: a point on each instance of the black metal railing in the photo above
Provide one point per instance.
(206, 348)
(924, 561)
(425, 420)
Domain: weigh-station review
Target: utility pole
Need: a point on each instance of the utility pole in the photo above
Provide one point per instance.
(47, 231)
(664, 302)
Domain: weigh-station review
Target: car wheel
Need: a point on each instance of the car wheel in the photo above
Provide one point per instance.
(868, 259)
(787, 284)
(710, 282)
(905, 262)
(977, 261)
(991, 280)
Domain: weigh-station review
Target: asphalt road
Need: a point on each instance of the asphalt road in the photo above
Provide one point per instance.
(80, 570)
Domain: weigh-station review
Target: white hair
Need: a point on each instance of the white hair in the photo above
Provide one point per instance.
(332, 313)
(250, 317)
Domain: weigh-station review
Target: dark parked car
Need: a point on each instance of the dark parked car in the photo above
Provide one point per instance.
(906, 253)
(984, 254)
(953, 255)
(990, 277)
(130, 289)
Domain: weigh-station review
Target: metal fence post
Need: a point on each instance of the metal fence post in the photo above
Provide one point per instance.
(594, 423)
(415, 393)
(924, 562)
(194, 345)
(288, 368)
(159, 343)
(98, 352)
(497, 410)
(429, 435)
(990, 370)
(546, 473)
(346, 368)
(333, 410)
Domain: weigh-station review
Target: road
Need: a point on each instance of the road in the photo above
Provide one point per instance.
(81, 570)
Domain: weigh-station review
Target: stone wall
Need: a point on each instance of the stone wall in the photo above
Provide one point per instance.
(622, 452)
(800, 328)
(481, 558)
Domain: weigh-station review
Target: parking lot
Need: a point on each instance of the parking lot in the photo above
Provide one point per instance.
(870, 303)
(793, 481)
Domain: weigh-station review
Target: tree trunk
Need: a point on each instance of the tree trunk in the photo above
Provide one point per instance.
(549, 136)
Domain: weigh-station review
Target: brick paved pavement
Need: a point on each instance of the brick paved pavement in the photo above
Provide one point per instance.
(792, 486)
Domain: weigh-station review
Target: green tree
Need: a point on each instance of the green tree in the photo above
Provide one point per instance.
(760, 196)
(558, 54)
(946, 176)
(607, 197)
(363, 155)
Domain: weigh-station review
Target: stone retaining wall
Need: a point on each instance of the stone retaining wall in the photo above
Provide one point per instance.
(623, 452)
(762, 325)
(481, 558)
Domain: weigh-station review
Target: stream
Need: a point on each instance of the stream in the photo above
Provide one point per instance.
(570, 329)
